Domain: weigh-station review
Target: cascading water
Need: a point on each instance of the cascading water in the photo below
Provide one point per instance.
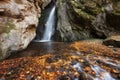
(49, 26)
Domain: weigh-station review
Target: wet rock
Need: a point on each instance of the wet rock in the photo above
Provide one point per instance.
(64, 78)
(18, 22)
(112, 41)
(83, 19)
(45, 3)
(64, 29)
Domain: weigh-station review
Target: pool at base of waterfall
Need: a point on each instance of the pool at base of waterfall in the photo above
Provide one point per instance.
(63, 61)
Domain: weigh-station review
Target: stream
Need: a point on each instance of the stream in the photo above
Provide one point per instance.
(62, 61)
(44, 59)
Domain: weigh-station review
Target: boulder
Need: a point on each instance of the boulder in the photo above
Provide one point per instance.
(18, 22)
(112, 41)
(83, 19)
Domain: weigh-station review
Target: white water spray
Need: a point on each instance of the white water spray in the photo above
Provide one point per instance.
(101, 74)
(49, 26)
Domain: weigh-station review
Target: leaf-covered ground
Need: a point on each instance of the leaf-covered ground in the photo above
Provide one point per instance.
(63, 61)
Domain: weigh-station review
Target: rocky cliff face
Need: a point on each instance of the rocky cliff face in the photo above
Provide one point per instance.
(81, 19)
(18, 22)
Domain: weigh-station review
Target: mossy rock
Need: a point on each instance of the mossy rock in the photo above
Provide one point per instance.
(116, 7)
(6, 27)
(85, 10)
(83, 14)
(76, 4)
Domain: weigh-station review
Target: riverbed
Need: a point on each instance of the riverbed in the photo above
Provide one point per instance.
(83, 60)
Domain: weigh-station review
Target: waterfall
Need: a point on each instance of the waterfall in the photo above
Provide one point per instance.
(49, 26)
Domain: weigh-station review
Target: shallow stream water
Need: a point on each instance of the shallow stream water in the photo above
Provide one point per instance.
(74, 64)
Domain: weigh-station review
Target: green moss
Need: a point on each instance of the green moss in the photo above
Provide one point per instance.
(76, 4)
(83, 14)
(116, 13)
(86, 10)
(6, 27)
(92, 11)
